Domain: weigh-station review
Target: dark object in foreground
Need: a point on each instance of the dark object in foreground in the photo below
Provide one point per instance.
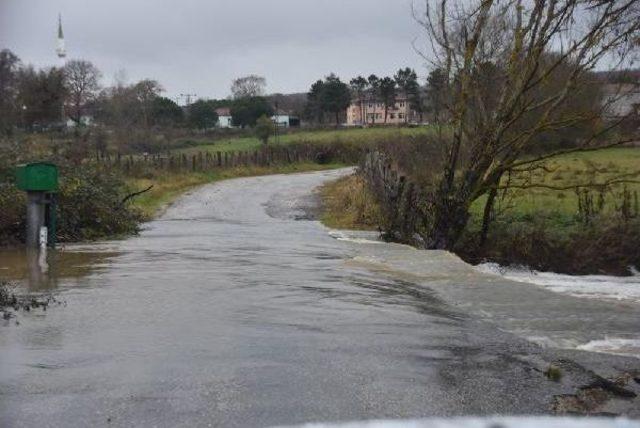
(11, 303)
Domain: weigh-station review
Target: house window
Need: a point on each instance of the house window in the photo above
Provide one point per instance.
(378, 115)
(392, 116)
(370, 105)
(401, 104)
(400, 115)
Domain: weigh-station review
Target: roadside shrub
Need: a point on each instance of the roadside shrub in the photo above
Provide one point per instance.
(349, 204)
(90, 206)
(12, 214)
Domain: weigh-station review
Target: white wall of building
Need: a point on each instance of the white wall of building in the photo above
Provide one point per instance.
(225, 122)
(282, 120)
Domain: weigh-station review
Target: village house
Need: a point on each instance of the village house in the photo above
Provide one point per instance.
(284, 119)
(371, 111)
(224, 117)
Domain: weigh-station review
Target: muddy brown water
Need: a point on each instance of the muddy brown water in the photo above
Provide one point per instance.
(236, 309)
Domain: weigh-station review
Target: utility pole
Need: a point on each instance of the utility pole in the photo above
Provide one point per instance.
(187, 98)
(277, 123)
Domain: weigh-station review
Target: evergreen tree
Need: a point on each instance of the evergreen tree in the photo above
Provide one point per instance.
(387, 94)
(336, 96)
(202, 114)
(358, 87)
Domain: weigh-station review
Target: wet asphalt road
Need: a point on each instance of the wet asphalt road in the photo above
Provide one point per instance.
(234, 309)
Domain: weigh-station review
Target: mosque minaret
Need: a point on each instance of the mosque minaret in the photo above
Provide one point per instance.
(61, 51)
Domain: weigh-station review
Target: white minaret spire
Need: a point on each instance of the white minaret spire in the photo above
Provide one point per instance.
(60, 49)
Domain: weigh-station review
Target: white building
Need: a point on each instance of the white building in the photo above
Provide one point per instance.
(224, 117)
(285, 120)
(84, 121)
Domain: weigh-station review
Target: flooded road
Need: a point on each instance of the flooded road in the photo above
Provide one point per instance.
(235, 309)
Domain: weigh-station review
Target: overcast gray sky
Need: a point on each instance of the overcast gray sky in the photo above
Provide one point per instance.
(199, 46)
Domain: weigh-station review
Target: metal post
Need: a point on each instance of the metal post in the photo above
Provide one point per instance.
(35, 218)
(52, 219)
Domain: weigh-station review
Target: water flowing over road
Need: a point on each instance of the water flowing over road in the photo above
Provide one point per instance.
(236, 309)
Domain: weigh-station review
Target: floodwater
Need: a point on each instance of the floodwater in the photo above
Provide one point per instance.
(236, 309)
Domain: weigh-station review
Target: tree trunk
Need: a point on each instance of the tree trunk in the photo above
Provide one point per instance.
(449, 213)
(486, 217)
(449, 220)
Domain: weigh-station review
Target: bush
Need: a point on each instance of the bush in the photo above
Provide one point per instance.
(12, 214)
(264, 128)
(349, 204)
(89, 207)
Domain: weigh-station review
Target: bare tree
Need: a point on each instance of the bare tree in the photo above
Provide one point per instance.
(539, 55)
(82, 80)
(248, 86)
(145, 92)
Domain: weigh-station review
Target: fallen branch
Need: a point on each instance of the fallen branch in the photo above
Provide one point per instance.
(134, 194)
(571, 187)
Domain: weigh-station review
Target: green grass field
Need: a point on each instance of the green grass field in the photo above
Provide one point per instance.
(353, 135)
(571, 170)
(343, 197)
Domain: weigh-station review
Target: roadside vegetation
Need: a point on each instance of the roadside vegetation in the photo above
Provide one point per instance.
(577, 230)
(565, 227)
(90, 199)
(319, 136)
(349, 204)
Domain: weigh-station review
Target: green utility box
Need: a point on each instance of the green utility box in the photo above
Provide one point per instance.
(38, 176)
